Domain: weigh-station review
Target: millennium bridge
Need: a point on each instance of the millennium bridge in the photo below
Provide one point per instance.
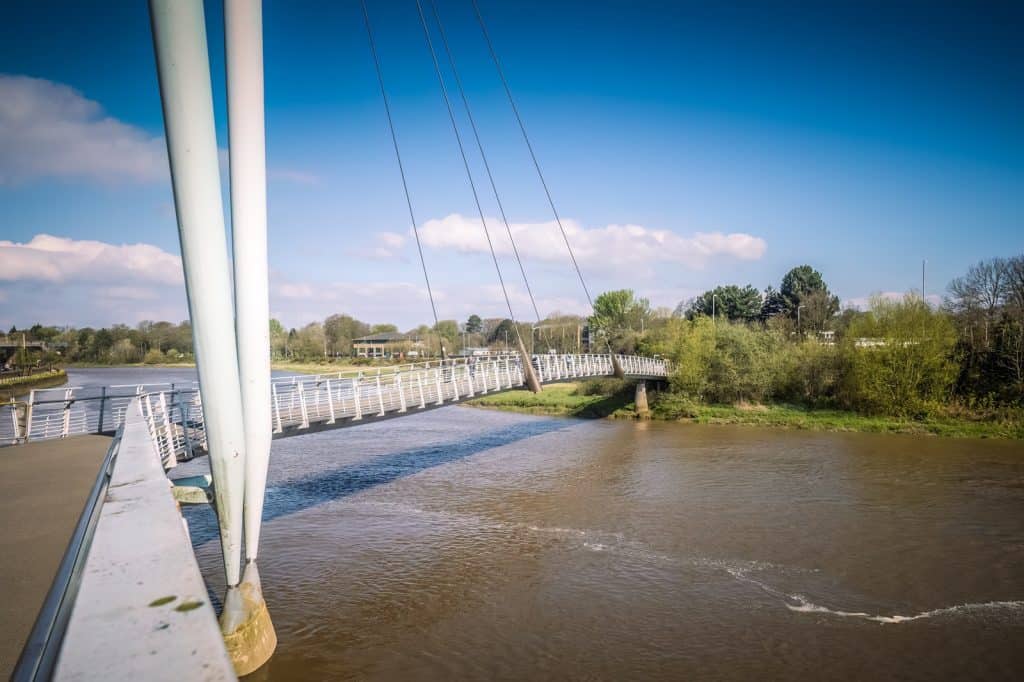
(128, 575)
(306, 403)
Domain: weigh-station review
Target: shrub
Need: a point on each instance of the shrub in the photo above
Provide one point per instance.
(154, 357)
(810, 373)
(907, 367)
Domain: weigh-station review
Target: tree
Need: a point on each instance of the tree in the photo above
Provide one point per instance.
(474, 325)
(727, 302)
(340, 330)
(772, 304)
(278, 339)
(619, 310)
(910, 367)
(383, 328)
(801, 283)
(978, 295)
(310, 341)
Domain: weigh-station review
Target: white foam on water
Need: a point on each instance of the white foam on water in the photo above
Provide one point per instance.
(618, 544)
(805, 606)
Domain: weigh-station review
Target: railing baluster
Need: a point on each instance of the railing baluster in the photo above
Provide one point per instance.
(355, 397)
(330, 402)
(67, 414)
(277, 408)
(302, 405)
(401, 392)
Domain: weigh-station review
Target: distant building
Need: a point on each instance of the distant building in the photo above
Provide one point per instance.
(386, 345)
(476, 352)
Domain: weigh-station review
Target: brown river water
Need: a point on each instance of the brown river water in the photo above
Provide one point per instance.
(480, 545)
(471, 544)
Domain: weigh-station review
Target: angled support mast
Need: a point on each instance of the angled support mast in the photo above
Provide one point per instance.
(245, 623)
(179, 39)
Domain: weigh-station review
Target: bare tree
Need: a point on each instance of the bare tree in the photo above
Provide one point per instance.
(979, 295)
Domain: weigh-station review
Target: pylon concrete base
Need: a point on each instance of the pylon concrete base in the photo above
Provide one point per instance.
(249, 634)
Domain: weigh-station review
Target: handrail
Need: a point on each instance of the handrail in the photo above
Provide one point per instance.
(38, 658)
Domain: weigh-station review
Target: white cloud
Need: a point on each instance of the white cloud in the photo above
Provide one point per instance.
(614, 247)
(387, 245)
(63, 260)
(391, 240)
(49, 129)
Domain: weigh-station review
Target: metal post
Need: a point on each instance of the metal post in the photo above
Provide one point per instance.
(103, 404)
(330, 402)
(401, 393)
(355, 397)
(302, 405)
(184, 426)
(179, 38)
(277, 409)
(28, 414)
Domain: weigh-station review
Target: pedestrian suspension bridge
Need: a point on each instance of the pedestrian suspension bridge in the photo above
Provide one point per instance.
(235, 409)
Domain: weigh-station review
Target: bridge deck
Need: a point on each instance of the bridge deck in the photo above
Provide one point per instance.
(43, 488)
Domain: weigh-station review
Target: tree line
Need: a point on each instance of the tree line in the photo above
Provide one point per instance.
(321, 341)
(731, 343)
(794, 345)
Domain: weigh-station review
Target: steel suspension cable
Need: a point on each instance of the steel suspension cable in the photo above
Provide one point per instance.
(401, 168)
(483, 155)
(529, 146)
(465, 163)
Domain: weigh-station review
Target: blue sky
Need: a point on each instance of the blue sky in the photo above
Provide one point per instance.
(687, 145)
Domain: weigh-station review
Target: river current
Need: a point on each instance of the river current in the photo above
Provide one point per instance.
(472, 544)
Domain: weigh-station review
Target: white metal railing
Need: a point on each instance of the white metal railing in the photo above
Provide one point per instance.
(174, 413)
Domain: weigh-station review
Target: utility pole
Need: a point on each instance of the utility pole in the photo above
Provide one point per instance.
(924, 263)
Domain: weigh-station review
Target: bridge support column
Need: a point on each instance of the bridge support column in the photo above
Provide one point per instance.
(643, 410)
(248, 631)
(179, 39)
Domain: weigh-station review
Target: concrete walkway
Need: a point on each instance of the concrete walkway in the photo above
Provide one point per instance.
(43, 488)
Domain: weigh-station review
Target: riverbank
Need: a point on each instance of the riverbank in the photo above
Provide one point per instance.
(570, 400)
(15, 387)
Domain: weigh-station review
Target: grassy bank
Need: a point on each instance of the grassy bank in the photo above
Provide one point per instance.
(572, 400)
(560, 400)
(16, 387)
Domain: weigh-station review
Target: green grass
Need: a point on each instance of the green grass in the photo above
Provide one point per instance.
(560, 400)
(566, 400)
(796, 417)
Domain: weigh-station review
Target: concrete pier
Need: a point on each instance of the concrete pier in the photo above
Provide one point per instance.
(643, 410)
